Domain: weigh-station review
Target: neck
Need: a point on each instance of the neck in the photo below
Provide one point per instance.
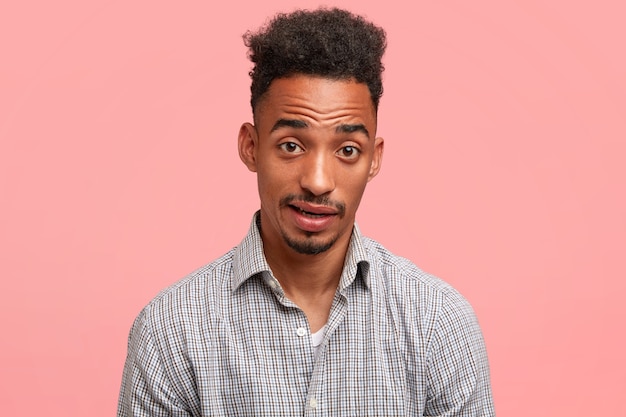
(307, 274)
(310, 281)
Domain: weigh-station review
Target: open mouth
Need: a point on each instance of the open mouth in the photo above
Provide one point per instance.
(313, 218)
(310, 214)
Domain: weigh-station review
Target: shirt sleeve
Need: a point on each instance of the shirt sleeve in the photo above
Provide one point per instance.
(146, 389)
(458, 372)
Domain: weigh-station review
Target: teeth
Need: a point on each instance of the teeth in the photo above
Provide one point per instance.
(306, 213)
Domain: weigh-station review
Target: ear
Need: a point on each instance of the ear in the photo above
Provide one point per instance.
(247, 144)
(377, 158)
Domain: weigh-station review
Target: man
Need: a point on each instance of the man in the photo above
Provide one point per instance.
(306, 316)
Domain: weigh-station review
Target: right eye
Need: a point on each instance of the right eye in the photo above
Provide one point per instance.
(291, 147)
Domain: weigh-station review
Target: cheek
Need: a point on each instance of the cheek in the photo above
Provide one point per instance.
(271, 181)
(354, 181)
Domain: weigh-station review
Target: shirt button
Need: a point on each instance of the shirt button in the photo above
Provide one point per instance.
(301, 331)
(313, 403)
(273, 283)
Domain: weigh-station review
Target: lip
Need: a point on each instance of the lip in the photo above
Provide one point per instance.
(313, 208)
(317, 218)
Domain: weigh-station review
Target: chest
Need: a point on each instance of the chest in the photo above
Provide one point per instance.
(259, 360)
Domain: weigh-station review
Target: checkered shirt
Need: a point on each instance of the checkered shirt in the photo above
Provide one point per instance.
(226, 341)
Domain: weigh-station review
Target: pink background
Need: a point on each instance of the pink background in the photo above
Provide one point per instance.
(504, 174)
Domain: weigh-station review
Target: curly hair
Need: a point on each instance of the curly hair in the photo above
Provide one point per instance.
(331, 43)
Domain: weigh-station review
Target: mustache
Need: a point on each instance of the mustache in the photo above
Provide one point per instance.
(320, 201)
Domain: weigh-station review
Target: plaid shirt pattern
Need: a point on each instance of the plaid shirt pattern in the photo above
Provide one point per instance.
(225, 341)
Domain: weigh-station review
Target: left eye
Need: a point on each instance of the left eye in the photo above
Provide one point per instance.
(290, 147)
(350, 152)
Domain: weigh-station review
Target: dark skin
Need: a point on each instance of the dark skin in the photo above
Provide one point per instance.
(314, 150)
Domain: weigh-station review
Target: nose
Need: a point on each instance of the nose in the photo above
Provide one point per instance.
(317, 175)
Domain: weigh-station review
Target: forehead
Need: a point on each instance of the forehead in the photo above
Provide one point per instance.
(317, 100)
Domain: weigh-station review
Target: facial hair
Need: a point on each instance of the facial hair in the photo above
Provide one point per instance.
(309, 246)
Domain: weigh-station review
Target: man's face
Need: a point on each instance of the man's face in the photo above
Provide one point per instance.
(314, 150)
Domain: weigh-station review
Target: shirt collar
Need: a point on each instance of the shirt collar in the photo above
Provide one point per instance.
(249, 259)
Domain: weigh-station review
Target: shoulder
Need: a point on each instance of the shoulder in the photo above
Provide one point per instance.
(191, 297)
(401, 274)
(413, 295)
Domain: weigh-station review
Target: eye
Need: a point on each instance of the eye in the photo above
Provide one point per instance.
(349, 152)
(291, 147)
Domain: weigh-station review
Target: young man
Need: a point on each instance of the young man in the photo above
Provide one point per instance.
(306, 316)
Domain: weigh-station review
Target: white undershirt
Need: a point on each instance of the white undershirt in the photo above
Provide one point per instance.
(316, 339)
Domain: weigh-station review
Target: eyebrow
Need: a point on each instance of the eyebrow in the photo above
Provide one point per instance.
(293, 123)
(301, 124)
(346, 128)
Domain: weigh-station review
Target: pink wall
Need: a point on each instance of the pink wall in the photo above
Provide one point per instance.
(504, 174)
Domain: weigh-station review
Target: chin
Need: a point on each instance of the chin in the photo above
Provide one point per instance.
(309, 246)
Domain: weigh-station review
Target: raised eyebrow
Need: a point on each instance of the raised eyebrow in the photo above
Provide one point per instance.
(348, 128)
(293, 123)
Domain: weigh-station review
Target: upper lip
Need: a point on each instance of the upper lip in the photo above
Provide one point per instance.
(313, 208)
